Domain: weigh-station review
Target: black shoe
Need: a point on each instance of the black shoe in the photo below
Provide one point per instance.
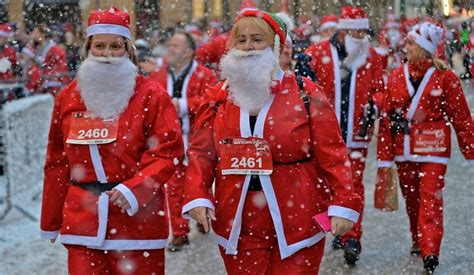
(430, 262)
(466, 76)
(337, 243)
(178, 243)
(415, 251)
(352, 251)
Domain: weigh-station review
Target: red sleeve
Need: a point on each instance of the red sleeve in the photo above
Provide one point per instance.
(384, 143)
(202, 153)
(56, 174)
(165, 149)
(330, 151)
(377, 85)
(459, 114)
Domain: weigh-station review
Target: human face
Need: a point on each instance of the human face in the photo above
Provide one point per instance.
(252, 38)
(108, 45)
(286, 57)
(414, 51)
(328, 32)
(179, 51)
(357, 34)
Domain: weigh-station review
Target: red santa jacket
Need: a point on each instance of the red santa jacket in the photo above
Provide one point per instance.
(141, 159)
(367, 83)
(437, 103)
(8, 53)
(309, 165)
(53, 65)
(194, 86)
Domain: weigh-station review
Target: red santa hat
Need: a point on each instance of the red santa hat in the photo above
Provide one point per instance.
(275, 22)
(328, 21)
(353, 18)
(427, 36)
(112, 21)
(6, 30)
(391, 22)
(193, 29)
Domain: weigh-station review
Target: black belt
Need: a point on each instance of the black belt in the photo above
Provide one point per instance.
(95, 187)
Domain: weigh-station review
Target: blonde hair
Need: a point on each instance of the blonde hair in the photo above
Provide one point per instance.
(247, 22)
(438, 63)
(129, 47)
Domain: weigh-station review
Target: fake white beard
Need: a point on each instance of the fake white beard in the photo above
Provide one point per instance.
(249, 76)
(106, 84)
(357, 51)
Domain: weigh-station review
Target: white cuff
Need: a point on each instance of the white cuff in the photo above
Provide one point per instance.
(384, 163)
(49, 235)
(132, 200)
(183, 107)
(196, 203)
(343, 212)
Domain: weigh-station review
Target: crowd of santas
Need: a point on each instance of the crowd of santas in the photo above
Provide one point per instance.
(404, 81)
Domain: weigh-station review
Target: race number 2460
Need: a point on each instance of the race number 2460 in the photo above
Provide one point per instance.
(93, 133)
(246, 162)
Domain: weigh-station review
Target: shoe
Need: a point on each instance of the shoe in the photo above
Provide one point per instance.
(430, 263)
(415, 250)
(466, 76)
(178, 243)
(352, 251)
(337, 243)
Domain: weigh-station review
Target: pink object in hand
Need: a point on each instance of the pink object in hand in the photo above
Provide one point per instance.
(323, 221)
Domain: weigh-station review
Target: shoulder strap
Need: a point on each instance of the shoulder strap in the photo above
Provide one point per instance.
(303, 95)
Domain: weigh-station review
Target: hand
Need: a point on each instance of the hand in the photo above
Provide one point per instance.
(118, 199)
(202, 215)
(340, 226)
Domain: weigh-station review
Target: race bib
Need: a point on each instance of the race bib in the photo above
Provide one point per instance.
(86, 129)
(429, 141)
(245, 156)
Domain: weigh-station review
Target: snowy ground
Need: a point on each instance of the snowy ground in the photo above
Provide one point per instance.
(386, 240)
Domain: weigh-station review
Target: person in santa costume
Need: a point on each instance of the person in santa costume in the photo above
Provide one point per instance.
(424, 99)
(186, 82)
(328, 26)
(52, 60)
(351, 74)
(8, 56)
(390, 44)
(113, 144)
(276, 155)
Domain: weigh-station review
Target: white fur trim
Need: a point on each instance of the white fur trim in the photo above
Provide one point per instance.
(108, 29)
(6, 34)
(327, 25)
(423, 42)
(49, 235)
(381, 51)
(131, 199)
(470, 161)
(132, 244)
(337, 82)
(97, 163)
(196, 203)
(353, 24)
(343, 212)
(384, 163)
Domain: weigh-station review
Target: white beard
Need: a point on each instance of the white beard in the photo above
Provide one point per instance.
(357, 51)
(106, 84)
(249, 76)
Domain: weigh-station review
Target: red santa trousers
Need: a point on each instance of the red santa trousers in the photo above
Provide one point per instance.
(358, 158)
(174, 192)
(258, 247)
(422, 185)
(82, 260)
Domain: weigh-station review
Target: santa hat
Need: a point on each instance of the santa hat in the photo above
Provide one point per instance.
(275, 23)
(328, 21)
(28, 51)
(112, 21)
(353, 18)
(193, 29)
(391, 22)
(427, 36)
(6, 30)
